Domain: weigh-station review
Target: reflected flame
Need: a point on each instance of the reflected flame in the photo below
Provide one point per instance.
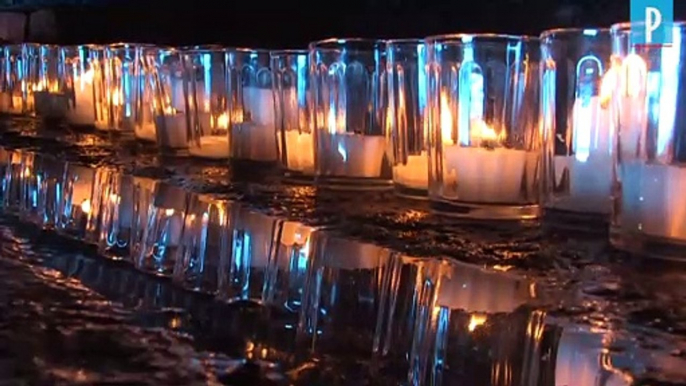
(608, 85)
(86, 206)
(222, 121)
(169, 212)
(48, 86)
(634, 72)
(446, 121)
(475, 321)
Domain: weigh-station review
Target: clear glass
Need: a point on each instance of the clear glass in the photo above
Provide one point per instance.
(406, 116)
(471, 323)
(485, 142)
(162, 235)
(648, 202)
(145, 107)
(349, 110)
(143, 198)
(12, 180)
(50, 97)
(294, 121)
(79, 65)
(13, 84)
(577, 86)
(30, 56)
(251, 105)
(170, 104)
(76, 200)
(207, 99)
(99, 201)
(117, 213)
(205, 239)
(42, 186)
(121, 60)
(244, 271)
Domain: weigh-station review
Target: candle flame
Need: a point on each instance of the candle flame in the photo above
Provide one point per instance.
(169, 212)
(222, 121)
(446, 121)
(45, 85)
(608, 84)
(475, 321)
(86, 206)
(633, 76)
(87, 76)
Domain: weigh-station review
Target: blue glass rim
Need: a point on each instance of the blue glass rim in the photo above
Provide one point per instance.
(336, 44)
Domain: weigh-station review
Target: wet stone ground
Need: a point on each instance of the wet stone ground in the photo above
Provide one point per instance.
(67, 317)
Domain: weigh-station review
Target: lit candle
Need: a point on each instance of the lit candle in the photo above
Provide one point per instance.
(300, 151)
(489, 174)
(83, 112)
(590, 168)
(415, 173)
(146, 131)
(213, 147)
(172, 129)
(260, 103)
(355, 155)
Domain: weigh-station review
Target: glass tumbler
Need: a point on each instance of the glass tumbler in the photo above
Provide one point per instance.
(13, 84)
(49, 94)
(406, 116)
(143, 196)
(76, 200)
(293, 116)
(162, 234)
(144, 110)
(348, 82)
(31, 63)
(485, 142)
(121, 60)
(43, 188)
(252, 134)
(79, 65)
(116, 218)
(576, 93)
(207, 102)
(648, 201)
(169, 99)
(13, 179)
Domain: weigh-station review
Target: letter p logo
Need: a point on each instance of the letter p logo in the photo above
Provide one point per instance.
(651, 22)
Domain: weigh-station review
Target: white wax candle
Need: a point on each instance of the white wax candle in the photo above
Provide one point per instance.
(415, 173)
(178, 100)
(260, 103)
(354, 155)
(653, 199)
(172, 129)
(253, 142)
(50, 105)
(300, 151)
(214, 147)
(146, 132)
(352, 255)
(488, 175)
(83, 112)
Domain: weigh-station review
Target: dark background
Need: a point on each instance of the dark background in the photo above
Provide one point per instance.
(283, 24)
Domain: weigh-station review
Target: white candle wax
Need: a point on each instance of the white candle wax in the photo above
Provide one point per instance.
(83, 112)
(146, 132)
(488, 175)
(260, 103)
(172, 129)
(353, 255)
(50, 105)
(253, 142)
(300, 151)
(355, 155)
(415, 173)
(214, 147)
(178, 100)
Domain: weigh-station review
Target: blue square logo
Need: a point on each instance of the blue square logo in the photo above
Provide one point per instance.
(651, 22)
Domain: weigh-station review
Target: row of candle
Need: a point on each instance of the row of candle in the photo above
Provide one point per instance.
(468, 121)
(312, 277)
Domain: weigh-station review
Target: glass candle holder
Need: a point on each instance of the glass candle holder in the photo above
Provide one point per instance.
(145, 107)
(162, 235)
(244, 271)
(577, 86)
(293, 116)
(343, 293)
(117, 213)
(121, 61)
(13, 80)
(485, 141)
(12, 183)
(205, 239)
(76, 201)
(349, 111)
(42, 185)
(471, 322)
(207, 102)
(31, 58)
(79, 66)
(406, 111)
(49, 94)
(251, 106)
(647, 201)
(143, 198)
(170, 104)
